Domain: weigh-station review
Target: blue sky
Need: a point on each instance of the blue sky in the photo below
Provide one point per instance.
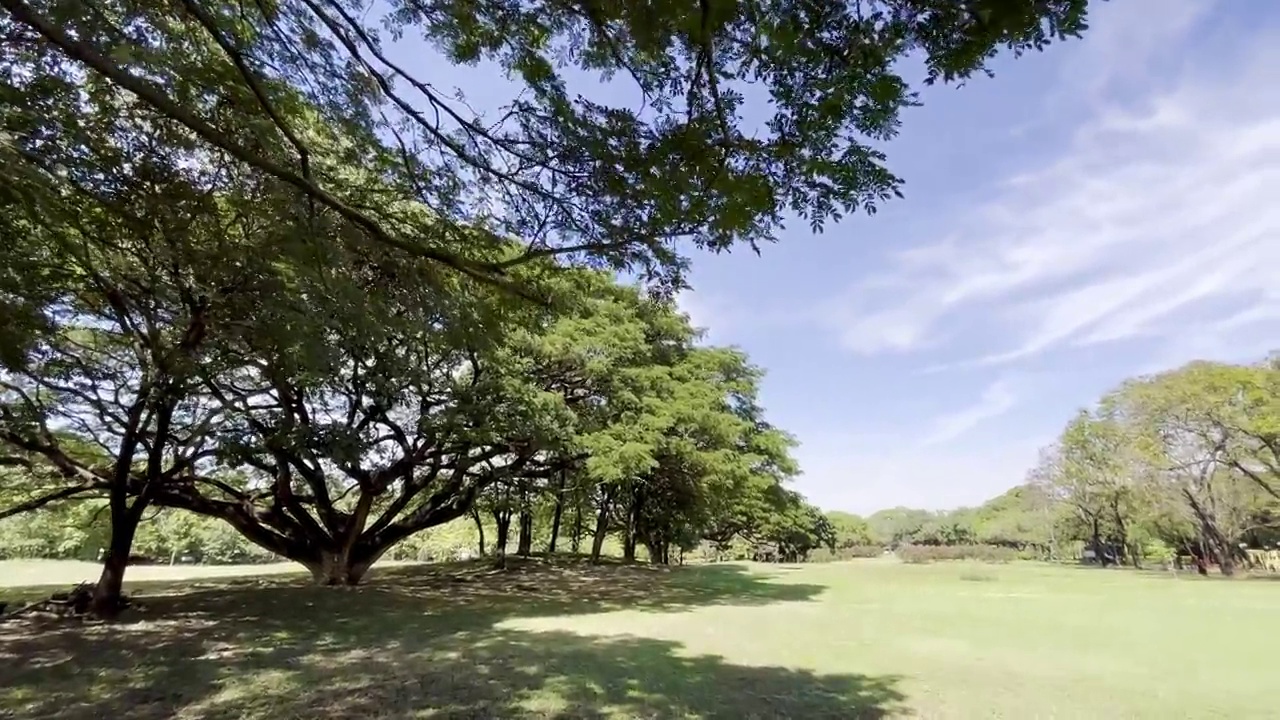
(1107, 208)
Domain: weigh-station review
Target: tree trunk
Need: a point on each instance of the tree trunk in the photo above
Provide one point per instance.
(576, 542)
(524, 547)
(655, 551)
(108, 594)
(1122, 537)
(1098, 550)
(503, 518)
(1226, 558)
(602, 529)
(555, 524)
(629, 546)
(355, 526)
(633, 523)
(475, 515)
(659, 552)
(338, 569)
(1212, 536)
(1053, 535)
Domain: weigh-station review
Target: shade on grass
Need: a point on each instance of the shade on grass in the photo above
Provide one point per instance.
(865, 639)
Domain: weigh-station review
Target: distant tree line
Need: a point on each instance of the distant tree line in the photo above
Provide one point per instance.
(1015, 524)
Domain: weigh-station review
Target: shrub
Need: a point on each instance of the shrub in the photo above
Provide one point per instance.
(918, 554)
(852, 552)
(1159, 552)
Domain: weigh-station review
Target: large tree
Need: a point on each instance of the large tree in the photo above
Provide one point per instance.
(344, 436)
(1185, 458)
(1100, 476)
(1198, 428)
(203, 326)
(230, 224)
(148, 250)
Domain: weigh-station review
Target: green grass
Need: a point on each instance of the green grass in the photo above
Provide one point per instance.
(69, 572)
(864, 639)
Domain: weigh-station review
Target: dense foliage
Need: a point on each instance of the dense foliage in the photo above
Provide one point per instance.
(920, 554)
(632, 129)
(257, 271)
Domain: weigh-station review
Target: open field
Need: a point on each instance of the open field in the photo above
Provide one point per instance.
(865, 639)
(16, 573)
(64, 573)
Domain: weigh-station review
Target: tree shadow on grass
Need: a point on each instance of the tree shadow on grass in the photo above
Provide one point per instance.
(418, 642)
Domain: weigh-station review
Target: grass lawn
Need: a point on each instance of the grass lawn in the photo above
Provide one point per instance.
(65, 573)
(850, 640)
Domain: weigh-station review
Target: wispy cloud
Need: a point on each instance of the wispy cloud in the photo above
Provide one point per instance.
(996, 400)
(1158, 220)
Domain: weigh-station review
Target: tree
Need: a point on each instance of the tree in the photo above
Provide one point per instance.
(677, 163)
(897, 526)
(225, 363)
(794, 530)
(352, 436)
(850, 530)
(953, 528)
(1020, 518)
(1181, 459)
(716, 459)
(1100, 475)
(145, 254)
(1197, 455)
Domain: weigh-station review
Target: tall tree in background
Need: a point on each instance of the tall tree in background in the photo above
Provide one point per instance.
(1100, 477)
(1190, 422)
(1185, 457)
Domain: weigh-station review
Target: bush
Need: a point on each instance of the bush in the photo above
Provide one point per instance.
(1159, 552)
(919, 554)
(845, 553)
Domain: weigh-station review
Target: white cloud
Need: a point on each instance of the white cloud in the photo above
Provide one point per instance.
(1158, 221)
(996, 400)
(710, 313)
(1121, 32)
(1155, 225)
(696, 307)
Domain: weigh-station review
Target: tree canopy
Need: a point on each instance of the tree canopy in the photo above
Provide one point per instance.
(633, 130)
(257, 269)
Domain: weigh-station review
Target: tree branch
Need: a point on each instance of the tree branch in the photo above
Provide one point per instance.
(55, 496)
(156, 98)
